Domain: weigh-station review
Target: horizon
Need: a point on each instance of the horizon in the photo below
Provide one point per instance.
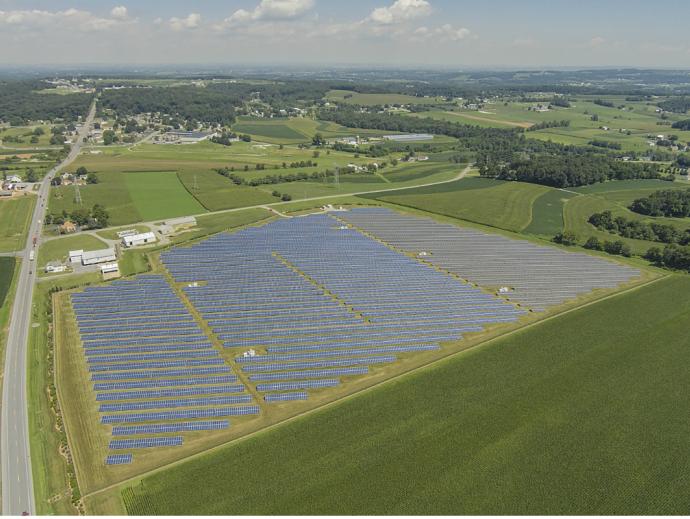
(436, 34)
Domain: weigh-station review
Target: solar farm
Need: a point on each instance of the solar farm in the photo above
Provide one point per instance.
(250, 325)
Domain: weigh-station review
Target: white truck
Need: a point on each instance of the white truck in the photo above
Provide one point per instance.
(32, 255)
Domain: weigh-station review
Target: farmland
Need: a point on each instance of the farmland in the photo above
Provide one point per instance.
(7, 265)
(148, 182)
(294, 130)
(490, 202)
(349, 97)
(15, 215)
(639, 118)
(579, 387)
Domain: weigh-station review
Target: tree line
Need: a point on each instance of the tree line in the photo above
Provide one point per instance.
(569, 170)
(673, 203)
(639, 230)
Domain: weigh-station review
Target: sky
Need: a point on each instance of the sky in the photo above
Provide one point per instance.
(395, 33)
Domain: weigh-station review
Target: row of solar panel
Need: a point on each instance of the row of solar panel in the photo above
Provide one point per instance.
(180, 415)
(145, 443)
(282, 397)
(130, 430)
(181, 402)
(165, 393)
(127, 375)
(144, 384)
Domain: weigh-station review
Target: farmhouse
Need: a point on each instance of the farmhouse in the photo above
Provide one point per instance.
(138, 239)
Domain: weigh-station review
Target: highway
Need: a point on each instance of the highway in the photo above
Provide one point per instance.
(17, 481)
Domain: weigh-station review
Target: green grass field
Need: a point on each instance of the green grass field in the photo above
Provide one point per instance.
(506, 205)
(58, 249)
(216, 192)
(7, 265)
(15, 216)
(581, 414)
(24, 134)
(547, 213)
(294, 130)
(160, 195)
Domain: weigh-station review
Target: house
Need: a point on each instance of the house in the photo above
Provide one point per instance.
(182, 137)
(4, 193)
(139, 239)
(109, 268)
(13, 179)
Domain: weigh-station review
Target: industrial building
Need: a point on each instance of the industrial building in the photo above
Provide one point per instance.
(92, 257)
(138, 239)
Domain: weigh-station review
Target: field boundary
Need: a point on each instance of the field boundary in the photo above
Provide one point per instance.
(378, 385)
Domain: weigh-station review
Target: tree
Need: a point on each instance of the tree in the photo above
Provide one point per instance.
(109, 137)
(566, 238)
(81, 170)
(100, 215)
(286, 197)
(91, 178)
(317, 140)
(593, 243)
(38, 131)
(31, 175)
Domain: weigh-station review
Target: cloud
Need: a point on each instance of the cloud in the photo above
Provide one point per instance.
(525, 42)
(597, 41)
(269, 10)
(400, 11)
(192, 21)
(67, 19)
(119, 12)
(445, 32)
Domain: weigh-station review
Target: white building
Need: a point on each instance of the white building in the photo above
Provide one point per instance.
(75, 256)
(109, 267)
(98, 256)
(138, 239)
(55, 267)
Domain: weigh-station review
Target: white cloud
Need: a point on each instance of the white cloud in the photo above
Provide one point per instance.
(269, 10)
(400, 11)
(119, 12)
(67, 19)
(444, 32)
(192, 21)
(597, 41)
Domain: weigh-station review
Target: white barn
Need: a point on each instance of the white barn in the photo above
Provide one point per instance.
(98, 256)
(138, 239)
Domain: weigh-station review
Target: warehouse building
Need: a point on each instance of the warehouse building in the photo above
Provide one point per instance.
(138, 239)
(94, 257)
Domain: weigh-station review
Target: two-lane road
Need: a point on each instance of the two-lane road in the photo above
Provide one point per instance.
(17, 481)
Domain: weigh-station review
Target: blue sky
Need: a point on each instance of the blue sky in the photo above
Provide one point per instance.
(484, 33)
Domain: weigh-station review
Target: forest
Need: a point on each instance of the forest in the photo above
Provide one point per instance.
(20, 104)
(639, 230)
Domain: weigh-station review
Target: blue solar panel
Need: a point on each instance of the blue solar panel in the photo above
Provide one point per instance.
(181, 402)
(281, 397)
(298, 384)
(141, 384)
(128, 430)
(145, 443)
(166, 393)
(180, 415)
(118, 459)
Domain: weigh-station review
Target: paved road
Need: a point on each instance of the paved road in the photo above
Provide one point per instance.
(17, 482)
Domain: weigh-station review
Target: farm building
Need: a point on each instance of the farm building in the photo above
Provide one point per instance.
(409, 137)
(55, 267)
(182, 137)
(109, 267)
(98, 256)
(138, 239)
(75, 256)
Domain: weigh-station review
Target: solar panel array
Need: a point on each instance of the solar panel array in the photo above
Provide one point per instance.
(151, 362)
(322, 302)
(539, 276)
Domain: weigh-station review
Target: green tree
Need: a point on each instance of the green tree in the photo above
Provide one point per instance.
(81, 170)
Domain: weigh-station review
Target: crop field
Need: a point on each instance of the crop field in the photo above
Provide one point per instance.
(349, 97)
(216, 192)
(507, 205)
(160, 195)
(15, 216)
(579, 388)
(294, 130)
(547, 213)
(131, 180)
